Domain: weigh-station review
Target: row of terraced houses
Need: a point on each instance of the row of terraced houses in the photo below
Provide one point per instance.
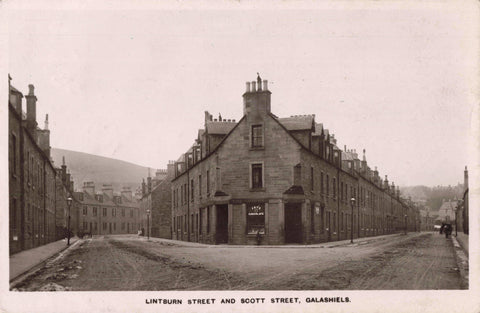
(271, 180)
(38, 190)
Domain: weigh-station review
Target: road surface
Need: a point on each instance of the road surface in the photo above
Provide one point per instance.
(415, 261)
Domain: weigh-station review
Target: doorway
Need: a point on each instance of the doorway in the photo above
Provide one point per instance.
(222, 224)
(293, 223)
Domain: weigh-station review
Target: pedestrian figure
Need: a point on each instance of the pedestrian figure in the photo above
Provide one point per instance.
(258, 237)
(441, 228)
(448, 230)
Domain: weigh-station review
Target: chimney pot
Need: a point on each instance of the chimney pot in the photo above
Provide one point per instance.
(248, 87)
(254, 86)
(265, 85)
(31, 90)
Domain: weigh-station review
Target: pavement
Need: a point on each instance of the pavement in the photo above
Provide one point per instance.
(331, 244)
(463, 241)
(460, 245)
(29, 260)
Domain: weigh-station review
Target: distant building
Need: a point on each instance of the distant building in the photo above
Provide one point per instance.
(105, 213)
(157, 199)
(33, 181)
(271, 180)
(446, 213)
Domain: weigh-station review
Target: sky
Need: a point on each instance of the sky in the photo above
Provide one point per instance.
(398, 81)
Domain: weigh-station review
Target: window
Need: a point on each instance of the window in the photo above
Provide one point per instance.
(104, 212)
(200, 185)
(257, 179)
(256, 219)
(95, 226)
(208, 219)
(334, 183)
(342, 197)
(201, 221)
(311, 179)
(341, 221)
(191, 223)
(322, 190)
(208, 182)
(84, 210)
(123, 213)
(334, 226)
(131, 212)
(114, 226)
(114, 212)
(191, 190)
(328, 185)
(94, 211)
(257, 136)
(104, 225)
(312, 218)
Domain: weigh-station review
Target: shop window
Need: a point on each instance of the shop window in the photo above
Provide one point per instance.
(256, 219)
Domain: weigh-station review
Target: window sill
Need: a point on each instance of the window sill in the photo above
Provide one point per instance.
(257, 189)
(257, 148)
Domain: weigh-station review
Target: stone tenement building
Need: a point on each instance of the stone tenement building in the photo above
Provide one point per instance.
(105, 213)
(37, 212)
(272, 180)
(157, 200)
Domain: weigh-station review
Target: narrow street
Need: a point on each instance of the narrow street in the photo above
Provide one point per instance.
(415, 261)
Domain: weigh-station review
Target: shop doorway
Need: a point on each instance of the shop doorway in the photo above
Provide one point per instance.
(222, 224)
(293, 223)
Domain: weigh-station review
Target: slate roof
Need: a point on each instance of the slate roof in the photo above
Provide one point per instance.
(298, 122)
(219, 128)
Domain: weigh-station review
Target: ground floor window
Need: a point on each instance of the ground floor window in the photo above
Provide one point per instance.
(256, 219)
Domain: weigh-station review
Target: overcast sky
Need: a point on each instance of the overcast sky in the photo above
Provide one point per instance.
(133, 85)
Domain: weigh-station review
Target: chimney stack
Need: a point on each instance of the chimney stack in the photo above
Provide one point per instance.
(89, 187)
(31, 110)
(465, 179)
(256, 101)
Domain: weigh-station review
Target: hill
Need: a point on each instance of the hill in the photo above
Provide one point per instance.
(432, 197)
(101, 170)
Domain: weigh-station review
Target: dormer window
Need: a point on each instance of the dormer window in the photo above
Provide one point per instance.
(257, 136)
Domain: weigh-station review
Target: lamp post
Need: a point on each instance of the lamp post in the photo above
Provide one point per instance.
(69, 203)
(456, 210)
(405, 224)
(352, 204)
(148, 224)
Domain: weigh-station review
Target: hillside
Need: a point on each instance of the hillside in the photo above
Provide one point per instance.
(101, 170)
(432, 196)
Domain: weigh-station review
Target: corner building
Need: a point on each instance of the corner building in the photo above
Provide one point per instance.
(270, 180)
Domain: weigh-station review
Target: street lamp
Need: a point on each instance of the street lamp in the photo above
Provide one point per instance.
(456, 210)
(405, 224)
(148, 224)
(352, 203)
(69, 203)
